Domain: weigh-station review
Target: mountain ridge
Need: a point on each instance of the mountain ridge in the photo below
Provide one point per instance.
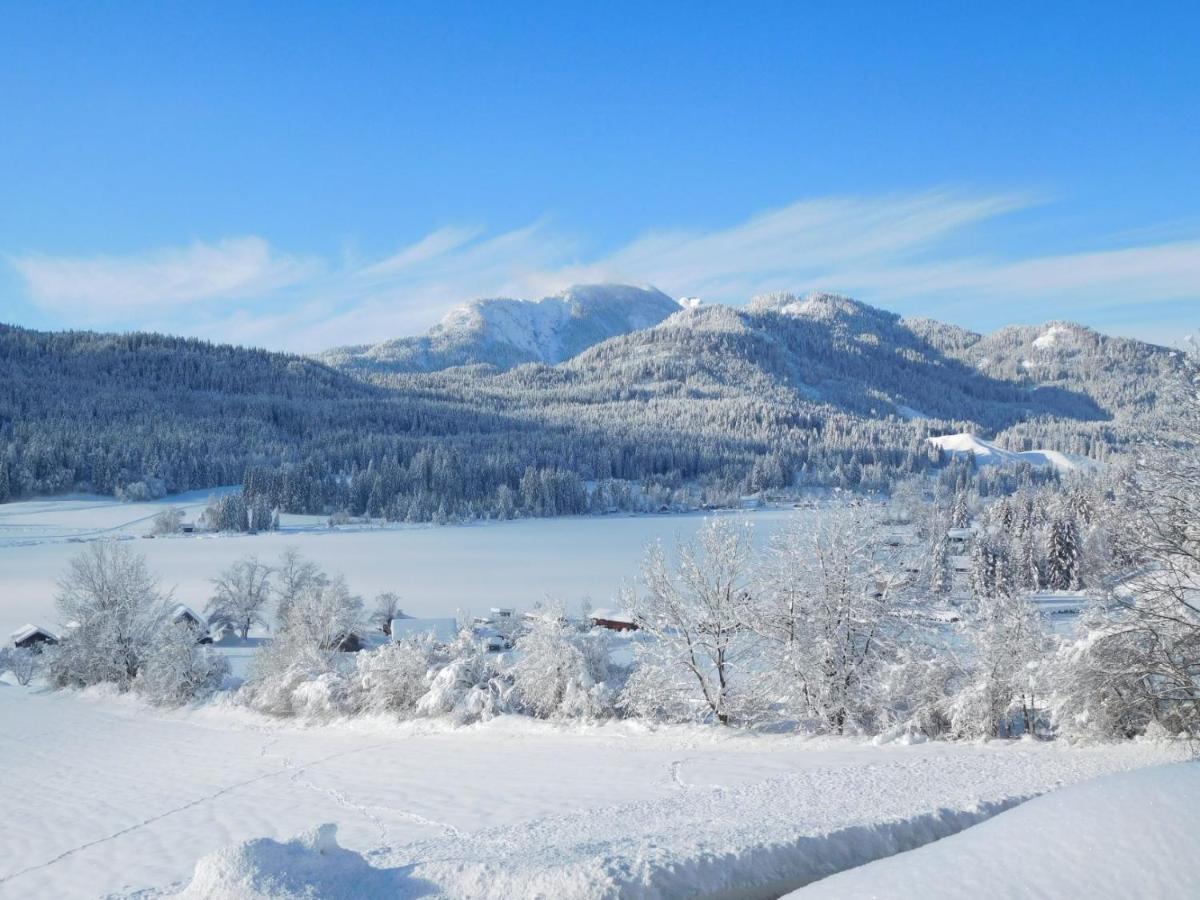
(504, 332)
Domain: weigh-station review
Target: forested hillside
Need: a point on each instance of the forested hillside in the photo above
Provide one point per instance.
(707, 405)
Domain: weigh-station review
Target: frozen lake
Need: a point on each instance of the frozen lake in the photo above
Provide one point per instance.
(436, 570)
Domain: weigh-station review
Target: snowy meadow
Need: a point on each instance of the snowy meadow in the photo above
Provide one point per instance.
(807, 690)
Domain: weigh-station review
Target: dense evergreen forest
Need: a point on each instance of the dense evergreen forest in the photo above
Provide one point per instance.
(706, 406)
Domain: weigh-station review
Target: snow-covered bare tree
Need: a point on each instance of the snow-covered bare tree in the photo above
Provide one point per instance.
(240, 595)
(833, 606)
(23, 662)
(387, 607)
(293, 575)
(1138, 661)
(700, 660)
(112, 609)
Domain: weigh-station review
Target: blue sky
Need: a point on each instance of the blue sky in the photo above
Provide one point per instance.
(303, 175)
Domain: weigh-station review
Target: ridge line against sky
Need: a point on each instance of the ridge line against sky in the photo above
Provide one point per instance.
(303, 175)
(917, 254)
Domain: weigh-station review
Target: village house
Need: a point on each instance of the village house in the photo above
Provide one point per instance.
(33, 637)
(613, 619)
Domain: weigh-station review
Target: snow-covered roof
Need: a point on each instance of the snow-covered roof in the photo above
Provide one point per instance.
(612, 615)
(959, 534)
(183, 611)
(444, 630)
(27, 631)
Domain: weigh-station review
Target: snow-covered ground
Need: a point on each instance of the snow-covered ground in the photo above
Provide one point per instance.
(436, 570)
(1133, 834)
(103, 796)
(989, 454)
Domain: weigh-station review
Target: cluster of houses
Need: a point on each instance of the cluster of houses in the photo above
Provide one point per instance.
(38, 637)
(494, 632)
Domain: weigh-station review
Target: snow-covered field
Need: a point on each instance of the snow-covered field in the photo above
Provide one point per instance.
(103, 796)
(436, 570)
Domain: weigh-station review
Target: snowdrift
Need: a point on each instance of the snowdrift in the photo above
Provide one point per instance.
(756, 841)
(1134, 834)
(309, 866)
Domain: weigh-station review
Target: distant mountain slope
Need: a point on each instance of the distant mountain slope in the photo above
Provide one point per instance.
(712, 402)
(1123, 376)
(503, 332)
(827, 350)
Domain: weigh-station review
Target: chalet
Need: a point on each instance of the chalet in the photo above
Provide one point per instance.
(613, 619)
(533, 616)
(959, 536)
(501, 613)
(443, 631)
(33, 637)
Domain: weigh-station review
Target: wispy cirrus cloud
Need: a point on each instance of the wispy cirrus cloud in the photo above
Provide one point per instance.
(918, 253)
(112, 286)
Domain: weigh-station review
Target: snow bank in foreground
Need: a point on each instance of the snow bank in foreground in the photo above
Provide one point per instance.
(764, 839)
(757, 840)
(1135, 834)
(309, 866)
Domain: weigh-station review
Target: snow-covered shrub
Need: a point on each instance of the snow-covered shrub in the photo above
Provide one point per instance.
(1005, 641)
(912, 691)
(393, 678)
(115, 609)
(305, 649)
(178, 671)
(468, 688)
(23, 662)
(322, 697)
(560, 672)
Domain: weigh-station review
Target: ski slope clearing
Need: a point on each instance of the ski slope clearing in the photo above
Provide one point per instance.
(1134, 834)
(989, 454)
(436, 570)
(106, 797)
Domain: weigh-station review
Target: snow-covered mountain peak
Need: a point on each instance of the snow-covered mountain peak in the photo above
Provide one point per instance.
(504, 332)
(824, 307)
(1059, 335)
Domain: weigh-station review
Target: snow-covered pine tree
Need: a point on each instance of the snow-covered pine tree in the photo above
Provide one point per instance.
(1063, 553)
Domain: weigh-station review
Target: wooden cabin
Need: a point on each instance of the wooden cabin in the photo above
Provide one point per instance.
(33, 637)
(613, 619)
